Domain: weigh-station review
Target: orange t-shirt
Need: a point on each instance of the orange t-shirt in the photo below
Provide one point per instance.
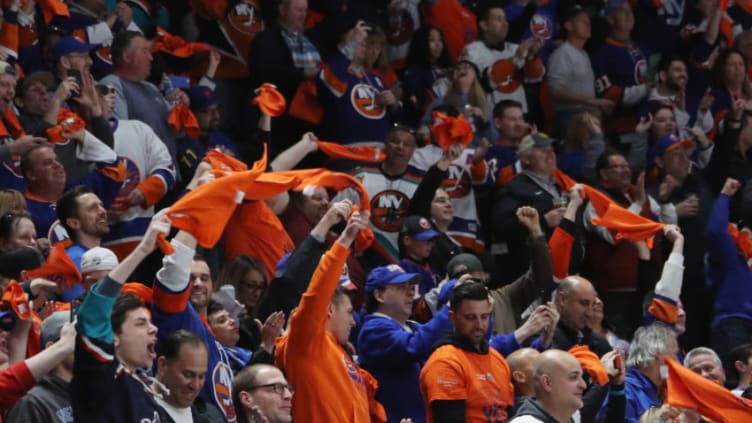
(483, 381)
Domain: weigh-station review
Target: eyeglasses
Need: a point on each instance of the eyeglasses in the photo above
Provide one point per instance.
(278, 388)
(254, 286)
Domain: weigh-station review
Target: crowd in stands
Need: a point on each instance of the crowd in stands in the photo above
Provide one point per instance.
(409, 211)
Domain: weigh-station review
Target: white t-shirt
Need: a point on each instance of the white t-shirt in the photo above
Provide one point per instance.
(182, 415)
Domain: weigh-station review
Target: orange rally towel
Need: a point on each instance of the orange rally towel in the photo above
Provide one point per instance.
(622, 223)
(15, 298)
(449, 130)
(742, 241)
(182, 117)
(139, 290)
(222, 163)
(59, 268)
(590, 363)
(361, 154)
(205, 211)
(269, 100)
(52, 8)
(10, 126)
(67, 121)
(269, 184)
(176, 46)
(687, 389)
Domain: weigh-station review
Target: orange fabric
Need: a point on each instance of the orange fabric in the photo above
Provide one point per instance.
(15, 298)
(334, 371)
(742, 241)
(153, 189)
(361, 154)
(10, 126)
(223, 163)
(664, 311)
(176, 46)
(590, 363)
(269, 100)
(622, 223)
(687, 389)
(139, 290)
(270, 184)
(256, 231)
(627, 225)
(305, 105)
(560, 245)
(59, 268)
(505, 76)
(116, 172)
(451, 374)
(450, 130)
(182, 117)
(204, 212)
(534, 70)
(456, 22)
(744, 4)
(34, 342)
(171, 302)
(67, 121)
(9, 36)
(52, 8)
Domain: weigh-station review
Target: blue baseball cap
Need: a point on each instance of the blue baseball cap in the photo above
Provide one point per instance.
(201, 98)
(388, 275)
(68, 45)
(419, 228)
(7, 320)
(667, 143)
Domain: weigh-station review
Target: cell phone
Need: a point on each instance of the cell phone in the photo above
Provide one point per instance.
(75, 73)
(617, 361)
(73, 310)
(181, 82)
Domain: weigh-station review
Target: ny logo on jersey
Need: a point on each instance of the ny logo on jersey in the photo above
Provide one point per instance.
(673, 10)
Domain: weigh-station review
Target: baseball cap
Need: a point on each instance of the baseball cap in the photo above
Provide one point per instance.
(68, 45)
(98, 258)
(572, 11)
(666, 144)
(45, 77)
(462, 264)
(201, 98)
(8, 320)
(388, 275)
(52, 325)
(533, 141)
(418, 227)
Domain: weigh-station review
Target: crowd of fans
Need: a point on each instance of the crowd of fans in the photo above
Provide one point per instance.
(370, 210)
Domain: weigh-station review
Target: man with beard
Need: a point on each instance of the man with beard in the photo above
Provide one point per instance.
(208, 114)
(671, 89)
(504, 66)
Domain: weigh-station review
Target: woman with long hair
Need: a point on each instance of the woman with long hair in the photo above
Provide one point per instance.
(426, 76)
(249, 278)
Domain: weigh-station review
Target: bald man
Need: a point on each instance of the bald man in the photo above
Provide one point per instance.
(559, 389)
(575, 297)
(522, 365)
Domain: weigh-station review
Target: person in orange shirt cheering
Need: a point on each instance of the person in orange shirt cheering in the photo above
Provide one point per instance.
(464, 379)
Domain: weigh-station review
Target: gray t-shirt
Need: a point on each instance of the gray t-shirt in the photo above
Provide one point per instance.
(570, 68)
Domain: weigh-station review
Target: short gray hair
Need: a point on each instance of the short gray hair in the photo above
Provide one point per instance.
(649, 342)
(702, 351)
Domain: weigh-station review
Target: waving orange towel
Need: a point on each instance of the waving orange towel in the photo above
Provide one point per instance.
(269, 100)
(138, 290)
(223, 163)
(59, 268)
(205, 211)
(15, 298)
(449, 130)
(52, 8)
(361, 154)
(687, 389)
(176, 46)
(67, 121)
(590, 363)
(181, 117)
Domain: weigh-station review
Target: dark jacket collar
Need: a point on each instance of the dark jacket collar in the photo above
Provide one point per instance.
(455, 339)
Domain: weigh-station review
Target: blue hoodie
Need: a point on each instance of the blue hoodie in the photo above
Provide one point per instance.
(728, 273)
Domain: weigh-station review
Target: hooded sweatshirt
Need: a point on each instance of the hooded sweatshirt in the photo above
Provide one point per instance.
(531, 412)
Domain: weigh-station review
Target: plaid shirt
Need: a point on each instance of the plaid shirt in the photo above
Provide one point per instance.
(304, 53)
